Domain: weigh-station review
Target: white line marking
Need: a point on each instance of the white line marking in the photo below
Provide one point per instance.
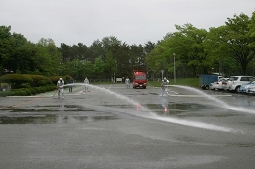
(200, 95)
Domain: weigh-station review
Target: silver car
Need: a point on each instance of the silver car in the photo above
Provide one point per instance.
(244, 87)
(251, 89)
(234, 83)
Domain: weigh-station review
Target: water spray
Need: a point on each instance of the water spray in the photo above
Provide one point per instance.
(210, 97)
(151, 115)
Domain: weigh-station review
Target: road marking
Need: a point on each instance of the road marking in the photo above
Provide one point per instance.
(200, 95)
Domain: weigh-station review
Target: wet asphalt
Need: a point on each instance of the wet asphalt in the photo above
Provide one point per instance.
(114, 127)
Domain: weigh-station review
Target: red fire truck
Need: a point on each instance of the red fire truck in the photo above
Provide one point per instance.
(139, 79)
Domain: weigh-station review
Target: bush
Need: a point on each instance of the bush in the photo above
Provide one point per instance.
(44, 89)
(38, 90)
(55, 79)
(22, 93)
(33, 91)
(19, 92)
(25, 86)
(48, 81)
(16, 79)
(36, 80)
(28, 91)
(5, 93)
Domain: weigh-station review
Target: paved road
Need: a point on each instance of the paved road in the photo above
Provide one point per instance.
(112, 127)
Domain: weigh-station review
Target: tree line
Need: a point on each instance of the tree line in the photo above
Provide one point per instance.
(106, 59)
(188, 52)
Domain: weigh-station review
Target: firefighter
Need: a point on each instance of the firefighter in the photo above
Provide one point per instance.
(164, 86)
(60, 87)
(86, 81)
(127, 81)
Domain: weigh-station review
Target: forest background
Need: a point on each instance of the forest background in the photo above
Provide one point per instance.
(189, 52)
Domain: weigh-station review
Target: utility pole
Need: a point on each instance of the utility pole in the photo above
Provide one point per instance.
(253, 66)
(162, 72)
(174, 70)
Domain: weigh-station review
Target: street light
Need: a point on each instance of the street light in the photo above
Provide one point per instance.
(174, 70)
(162, 72)
(253, 66)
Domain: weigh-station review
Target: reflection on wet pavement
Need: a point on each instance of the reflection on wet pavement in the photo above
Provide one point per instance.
(31, 119)
(42, 115)
(51, 119)
(46, 115)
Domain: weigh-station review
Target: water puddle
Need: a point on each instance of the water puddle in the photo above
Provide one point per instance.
(32, 119)
(175, 109)
(122, 106)
(52, 108)
(182, 106)
(52, 119)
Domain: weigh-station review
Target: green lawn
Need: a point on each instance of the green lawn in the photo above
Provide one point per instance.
(191, 82)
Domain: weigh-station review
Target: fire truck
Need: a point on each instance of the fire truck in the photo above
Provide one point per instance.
(139, 79)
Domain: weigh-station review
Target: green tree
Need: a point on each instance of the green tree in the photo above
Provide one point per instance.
(5, 46)
(78, 69)
(21, 54)
(53, 57)
(251, 33)
(234, 41)
(67, 54)
(110, 64)
(155, 59)
(123, 61)
(96, 50)
(188, 44)
(98, 67)
(137, 56)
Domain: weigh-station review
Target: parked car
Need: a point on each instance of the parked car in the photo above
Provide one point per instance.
(234, 83)
(244, 87)
(218, 85)
(211, 86)
(251, 89)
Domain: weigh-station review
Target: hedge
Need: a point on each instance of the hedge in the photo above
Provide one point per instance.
(28, 84)
(28, 91)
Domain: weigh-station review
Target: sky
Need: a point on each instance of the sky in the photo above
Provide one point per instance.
(133, 22)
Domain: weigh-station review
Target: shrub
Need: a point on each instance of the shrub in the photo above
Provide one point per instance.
(55, 79)
(41, 82)
(36, 79)
(24, 85)
(38, 90)
(5, 93)
(19, 92)
(48, 81)
(16, 79)
(28, 91)
(33, 91)
(22, 93)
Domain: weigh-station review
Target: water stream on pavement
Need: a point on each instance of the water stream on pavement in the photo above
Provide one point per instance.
(146, 113)
(220, 104)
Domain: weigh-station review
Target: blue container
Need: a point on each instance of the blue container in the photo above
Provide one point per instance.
(205, 80)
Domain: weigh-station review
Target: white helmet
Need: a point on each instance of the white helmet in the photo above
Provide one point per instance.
(60, 79)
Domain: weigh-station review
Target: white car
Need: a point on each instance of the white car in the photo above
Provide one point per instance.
(234, 83)
(218, 85)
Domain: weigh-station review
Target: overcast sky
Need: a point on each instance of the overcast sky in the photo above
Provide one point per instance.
(131, 21)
